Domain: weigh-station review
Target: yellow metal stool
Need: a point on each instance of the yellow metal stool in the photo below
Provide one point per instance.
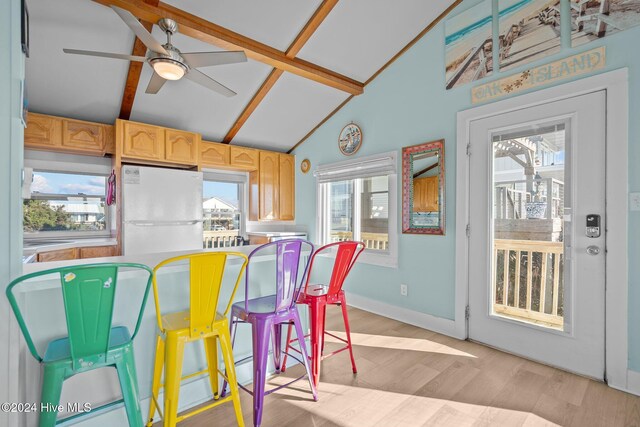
(200, 322)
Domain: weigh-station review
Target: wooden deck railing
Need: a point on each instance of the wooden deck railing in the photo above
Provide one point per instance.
(530, 290)
(219, 239)
(378, 241)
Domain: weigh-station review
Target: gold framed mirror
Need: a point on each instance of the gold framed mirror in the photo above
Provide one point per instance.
(423, 191)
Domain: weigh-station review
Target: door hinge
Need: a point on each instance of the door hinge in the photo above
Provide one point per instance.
(468, 230)
(468, 149)
(467, 312)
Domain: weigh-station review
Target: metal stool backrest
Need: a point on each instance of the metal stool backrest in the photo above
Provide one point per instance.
(288, 278)
(206, 271)
(88, 293)
(346, 256)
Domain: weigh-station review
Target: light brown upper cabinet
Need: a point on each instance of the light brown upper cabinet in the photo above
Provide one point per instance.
(269, 185)
(287, 187)
(43, 131)
(83, 136)
(215, 154)
(245, 158)
(141, 141)
(272, 188)
(181, 146)
(67, 135)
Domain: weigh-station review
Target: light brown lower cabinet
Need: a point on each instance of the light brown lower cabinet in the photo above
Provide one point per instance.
(77, 253)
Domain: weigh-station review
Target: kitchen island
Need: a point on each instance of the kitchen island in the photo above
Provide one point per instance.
(42, 306)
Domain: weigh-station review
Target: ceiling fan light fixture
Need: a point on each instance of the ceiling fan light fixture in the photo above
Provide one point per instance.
(169, 69)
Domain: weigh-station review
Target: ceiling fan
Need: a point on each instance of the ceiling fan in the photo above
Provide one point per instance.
(167, 61)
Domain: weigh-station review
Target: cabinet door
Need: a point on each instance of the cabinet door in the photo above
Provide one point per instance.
(59, 255)
(83, 136)
(215, 154)
(43, 132)
(181, 147)
(245, 158)
(269, 185)
(97, 252)
(142, 141)
(419, 194)
(287, 187)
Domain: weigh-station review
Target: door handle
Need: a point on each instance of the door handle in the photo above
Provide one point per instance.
(593, 250)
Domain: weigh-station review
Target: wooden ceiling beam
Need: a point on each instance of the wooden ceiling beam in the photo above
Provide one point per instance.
(305, 34)
(208, 32)
(135, 69)
(384, 67)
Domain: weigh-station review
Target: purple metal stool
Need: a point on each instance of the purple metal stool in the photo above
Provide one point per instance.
(268, 314)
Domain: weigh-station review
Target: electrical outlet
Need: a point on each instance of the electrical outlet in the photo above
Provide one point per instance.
(403, 290)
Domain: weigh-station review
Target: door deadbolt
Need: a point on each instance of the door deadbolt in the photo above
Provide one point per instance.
(593, 250)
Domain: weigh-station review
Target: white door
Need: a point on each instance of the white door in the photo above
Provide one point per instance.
(536, 261)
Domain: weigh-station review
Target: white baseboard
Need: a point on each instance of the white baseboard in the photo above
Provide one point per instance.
(426, 321)
(633, 383)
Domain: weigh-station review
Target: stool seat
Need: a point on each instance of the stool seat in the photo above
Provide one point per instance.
(59, 349)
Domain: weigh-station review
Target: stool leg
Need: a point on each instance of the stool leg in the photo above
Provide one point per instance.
(317, 332)
(227, 354)
(128, 378)
(211, 350)
(158, 367)
(277, 345)
(345, 316)
(233, 326)
(50, 394)
(303, 349)
(324, 322)
(286, 348)
(261, 330)
(174, 353)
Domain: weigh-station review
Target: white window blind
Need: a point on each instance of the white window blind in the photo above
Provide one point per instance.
(366, 167)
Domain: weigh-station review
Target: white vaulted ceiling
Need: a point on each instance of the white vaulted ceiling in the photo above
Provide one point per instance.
(356, 39)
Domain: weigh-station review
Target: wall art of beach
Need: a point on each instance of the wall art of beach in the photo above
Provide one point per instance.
(529, 30)
(593, 19)
(469, 45)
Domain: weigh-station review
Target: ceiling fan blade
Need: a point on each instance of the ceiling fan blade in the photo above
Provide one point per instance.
(155, 84)
(206, 81)
(207, 59)
(139, 30)
(105, 55)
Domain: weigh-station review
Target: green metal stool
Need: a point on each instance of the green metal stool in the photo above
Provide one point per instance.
(88, 292)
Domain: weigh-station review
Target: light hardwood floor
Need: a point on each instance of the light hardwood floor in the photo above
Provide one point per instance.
(409, 376)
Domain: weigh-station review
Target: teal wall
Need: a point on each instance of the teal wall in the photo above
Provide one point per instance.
(407, 104)
(11, 136)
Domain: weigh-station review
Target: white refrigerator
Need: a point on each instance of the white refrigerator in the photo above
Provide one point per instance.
(162, 210)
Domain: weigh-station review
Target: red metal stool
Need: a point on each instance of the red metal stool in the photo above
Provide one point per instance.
(318, 296)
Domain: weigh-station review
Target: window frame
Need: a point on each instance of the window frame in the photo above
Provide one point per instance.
(357, 170)
(235, 177)
(46, 162)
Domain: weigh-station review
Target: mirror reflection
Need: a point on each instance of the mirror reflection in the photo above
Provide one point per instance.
(423, 188)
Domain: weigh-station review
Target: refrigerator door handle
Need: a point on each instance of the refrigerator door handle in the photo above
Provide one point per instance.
(154, 223)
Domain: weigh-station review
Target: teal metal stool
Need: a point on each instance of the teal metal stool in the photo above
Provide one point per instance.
(88, 293)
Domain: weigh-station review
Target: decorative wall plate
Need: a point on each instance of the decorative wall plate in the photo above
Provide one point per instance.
(305, 166)
(350, 139)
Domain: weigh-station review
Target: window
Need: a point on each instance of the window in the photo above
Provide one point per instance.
(63, 203)
(357, 201)
(223, 208)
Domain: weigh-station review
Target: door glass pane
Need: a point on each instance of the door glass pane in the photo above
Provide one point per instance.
(374, 215)
(221, 214)
(528, 224)
(341, 210)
